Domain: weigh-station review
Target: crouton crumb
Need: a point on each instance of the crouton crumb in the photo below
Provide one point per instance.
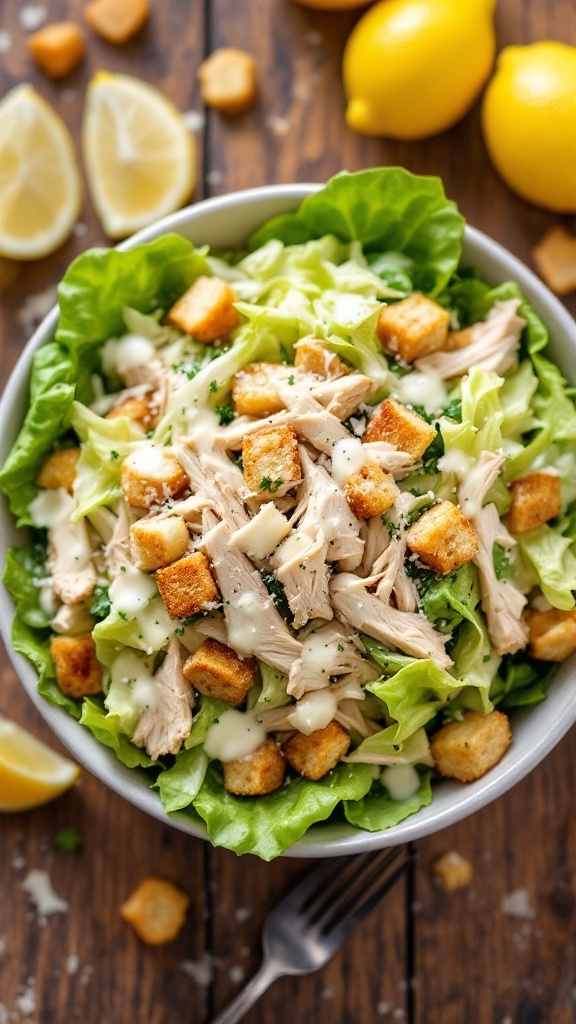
(555, 258)
(57, 48)
(452, 871)
(117, 20)
(228, 80)
(156, 910)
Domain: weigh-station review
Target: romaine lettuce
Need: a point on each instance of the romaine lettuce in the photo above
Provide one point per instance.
(377, 811)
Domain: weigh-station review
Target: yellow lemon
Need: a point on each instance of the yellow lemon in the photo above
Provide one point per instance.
(40, 190)
(31, 773)
(529, 123)
(140, 156)
(333, 5)
(413, 68)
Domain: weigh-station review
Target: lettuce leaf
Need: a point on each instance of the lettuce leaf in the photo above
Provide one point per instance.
(106, 729)
(209, 712)
(180, 784)
(521, 682)
(415, 695)
(377, 811)
(105, 444)
(551, 564)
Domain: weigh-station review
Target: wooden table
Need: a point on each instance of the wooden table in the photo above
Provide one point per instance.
(424, 956)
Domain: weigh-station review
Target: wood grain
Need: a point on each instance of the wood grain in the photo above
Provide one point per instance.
(424, 957)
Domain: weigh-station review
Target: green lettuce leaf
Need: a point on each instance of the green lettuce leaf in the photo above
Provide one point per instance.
(415, 695)
(377, 811)
(521, 682)
(551, 564)
(209, 713)
(274, 693)
(106, 729)
(105, 444)
(180, 784)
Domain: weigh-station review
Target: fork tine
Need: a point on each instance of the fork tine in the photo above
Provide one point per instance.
(352, 873)
(338, 925)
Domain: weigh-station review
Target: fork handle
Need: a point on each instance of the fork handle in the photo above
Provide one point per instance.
(250, 994)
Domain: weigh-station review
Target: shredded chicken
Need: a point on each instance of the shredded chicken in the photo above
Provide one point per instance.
(350, 717)
(71, 619)
(215, 477)
(70, 562)
(327, 652)
(117, 550)
(157, 376)
(343, 395)
(494, 345)
(163, 727)
(389, 570)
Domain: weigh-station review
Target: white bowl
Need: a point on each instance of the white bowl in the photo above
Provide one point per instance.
(226, 222)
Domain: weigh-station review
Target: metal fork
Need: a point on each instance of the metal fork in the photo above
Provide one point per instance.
(306, 928)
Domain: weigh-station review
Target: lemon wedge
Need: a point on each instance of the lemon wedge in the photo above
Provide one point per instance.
(40, 190)
(31, 773)
(140, 157)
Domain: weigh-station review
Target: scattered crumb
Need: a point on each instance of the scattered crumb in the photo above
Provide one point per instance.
(313, 38)
(18, 863)
(236, 974)
(452, 871)
(156, 910)
(416, 907)
(279, 126)
(80, 229)
(32, 311)
(26, 1002)
(228, 80)
(383, 1008)
(2, 945)
(69, 95)
(86, 974)
(32, 16)
(71, 965)
(517, 904)
(328, 993)
(245, 952)
(555, 258)
(194, 120)
(398, 1013)
(242, 913)
(4, 1015)
(39, 888)
(214, 178)
(5, 42)
(201, 971)
(506, 1020)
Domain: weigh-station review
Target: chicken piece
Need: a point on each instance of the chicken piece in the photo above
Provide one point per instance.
(72, 619)
(150, 476)
(388, 567)
(187, 586)
(70, 559)
(413, 328)
(117, 550)
(342, 396)
(452, 871)
(59, 470)
(552, 634)
(218, 672)
(401, 427)
(157, 542)
(228, 80)
(116, 20)
(78, 671)
(260, 773)
(313, 356)
(315, 755)
(555, 258)
(206, 310)
(57, 48)
(253, 623)
(370, 491)
(156, 910)
(443, 538)
(468, 749)
(494, 347)
(459, 339)
(323, 501)
(327, 651)
(302, 569)
(155, 377)
(271, 462)
(476, 485)
(142, 411)
(405, 631)
(166, 723)
(536, 499)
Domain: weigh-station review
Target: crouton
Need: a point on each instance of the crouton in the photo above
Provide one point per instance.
(140, 410)
(370, 491)
(271, 462)
(187, 586)
(150, 476)
(552, 634)
(459, 339)
(555, 258)
(443, 538)
(59, 470)
(206, 310)
(216, 671)
(402, 427)
(78, 671)
(313, 356)
(156, 910)
(466, 750)
(535, 499)
(452, 871)
(413, 328)
(117, 20)
(260, 773)
(254, 392)
(228, 80)
(156, 542)
(58, 48)
(315, 755)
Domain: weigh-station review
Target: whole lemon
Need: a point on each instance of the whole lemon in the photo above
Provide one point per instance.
(413, 68)
(529, 123)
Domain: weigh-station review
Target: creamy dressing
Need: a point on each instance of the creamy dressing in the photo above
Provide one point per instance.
(455, 461)
(291, 548)
(155, 625)
(348, 456)
(234, 736)
(243, 636)
(203, 423)
(314, 711)
(319, 655)
(263, 533)
(51, 508)
(148, 460)
(425, 389)
(401, 781)
(129, 670)
(131, 591)
(119, 356)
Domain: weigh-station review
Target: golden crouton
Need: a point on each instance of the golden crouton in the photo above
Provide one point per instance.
(370, 491)
(150, 476)
(206, 310)
(271, 462)
(187, 586)
(117, 20)
(59, 470)
(413, 328)
(400, 426)
(140, 410)
(228, 80)
(535, 499)
(552, 634)
(156, 910)
(443, 538)
(216, 671)
(260, 773)
(452, 871)
(57, 48)
(466, 750)
(78, 671)
(555, 257)
(313, 356)
(459, 339)
(254, 392)
(315, 755)
(156, 542)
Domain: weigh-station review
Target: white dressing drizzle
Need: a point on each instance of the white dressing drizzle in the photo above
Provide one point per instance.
(401, 780)
(425, 389)
(348, 456)
(314, 711)
(129, 670)
(119, 356)
(50, 508)
(234, 736)
(131, 591)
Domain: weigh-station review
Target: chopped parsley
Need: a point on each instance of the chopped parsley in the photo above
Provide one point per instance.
(100, 607)
(266, 484)
(276, 590)
(291, 378)
(124, 617)
(68, 839)
(213, 388)
(502, 565)
(225, 413)
(189, 369)
(114, 455)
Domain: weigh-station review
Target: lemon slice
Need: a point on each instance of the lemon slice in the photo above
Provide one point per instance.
(140, 156)
(40, 191)
(31, 773)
